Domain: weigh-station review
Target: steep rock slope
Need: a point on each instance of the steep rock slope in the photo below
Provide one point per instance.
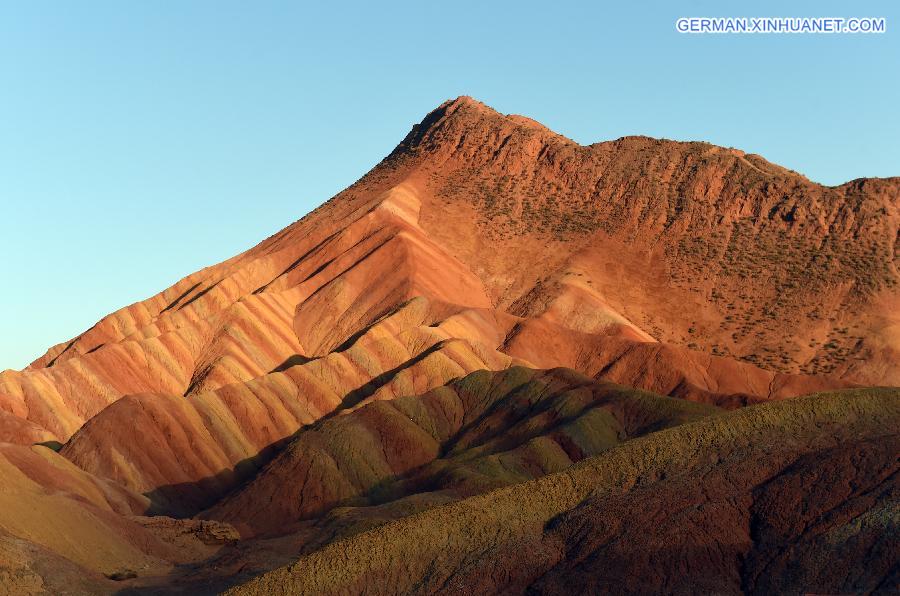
(693, 243)
(191, 451)
(639, 239)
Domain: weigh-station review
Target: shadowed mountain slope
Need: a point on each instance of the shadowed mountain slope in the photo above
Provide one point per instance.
(702, 507)
(477, 433)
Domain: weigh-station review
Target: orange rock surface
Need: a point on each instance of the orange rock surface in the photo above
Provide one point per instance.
(483, 242)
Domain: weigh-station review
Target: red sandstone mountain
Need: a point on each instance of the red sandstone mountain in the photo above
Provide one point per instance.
(253, 392)
(517, 236)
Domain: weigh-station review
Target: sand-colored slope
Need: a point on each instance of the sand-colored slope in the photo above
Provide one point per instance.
(14, 429)
(65, 531)
(48, 501)
(507, 539)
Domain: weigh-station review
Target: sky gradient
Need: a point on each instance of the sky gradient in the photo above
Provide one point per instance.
(142, 141)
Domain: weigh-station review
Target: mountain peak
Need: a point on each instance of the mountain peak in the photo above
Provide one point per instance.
(464, 120)
(463, 101)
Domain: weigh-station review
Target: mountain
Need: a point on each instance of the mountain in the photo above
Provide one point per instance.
(490, 310)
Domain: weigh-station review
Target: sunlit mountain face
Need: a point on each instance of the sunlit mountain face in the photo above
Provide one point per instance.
(500, 362)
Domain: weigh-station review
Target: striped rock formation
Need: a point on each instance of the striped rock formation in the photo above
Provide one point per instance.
(488, 306)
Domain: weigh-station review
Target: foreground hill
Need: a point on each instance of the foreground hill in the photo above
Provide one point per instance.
(475, 434)
(727, 504)
(573, 355)
(477, 487)
(64, 531)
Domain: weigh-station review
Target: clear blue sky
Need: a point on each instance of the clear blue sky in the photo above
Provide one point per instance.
(140, 141)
